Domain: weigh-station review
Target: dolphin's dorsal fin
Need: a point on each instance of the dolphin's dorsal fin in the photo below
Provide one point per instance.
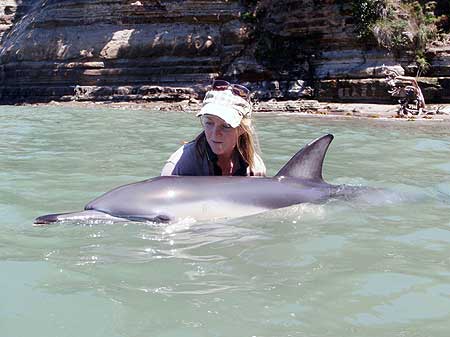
(307, 163)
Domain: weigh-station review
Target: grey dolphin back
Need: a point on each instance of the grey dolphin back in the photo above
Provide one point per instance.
(164, 199)
(307, 163)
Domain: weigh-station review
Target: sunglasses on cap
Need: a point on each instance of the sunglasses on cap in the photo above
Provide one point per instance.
(236, 89)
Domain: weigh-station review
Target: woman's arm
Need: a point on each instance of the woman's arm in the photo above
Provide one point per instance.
(169, 167)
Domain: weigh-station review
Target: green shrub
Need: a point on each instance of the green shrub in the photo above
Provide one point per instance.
(366, 13)
(249, 17)
(398, 26)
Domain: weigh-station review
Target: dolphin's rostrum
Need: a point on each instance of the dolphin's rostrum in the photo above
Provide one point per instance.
(171, 198)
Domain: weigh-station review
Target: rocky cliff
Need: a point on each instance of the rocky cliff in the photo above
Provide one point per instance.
(169, 50)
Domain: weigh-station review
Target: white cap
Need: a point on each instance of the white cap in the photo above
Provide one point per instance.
(226, 105)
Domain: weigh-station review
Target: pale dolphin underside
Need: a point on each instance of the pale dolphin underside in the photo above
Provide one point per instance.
(172, 198)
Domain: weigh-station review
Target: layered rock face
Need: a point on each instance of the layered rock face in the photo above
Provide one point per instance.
(97, 49)
(169, 50)
(316, 41)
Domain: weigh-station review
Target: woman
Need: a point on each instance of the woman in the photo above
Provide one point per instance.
(227, 144)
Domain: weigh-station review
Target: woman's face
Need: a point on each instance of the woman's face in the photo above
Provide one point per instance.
(221, 137)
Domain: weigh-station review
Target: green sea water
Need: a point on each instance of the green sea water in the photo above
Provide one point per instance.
(368, 269)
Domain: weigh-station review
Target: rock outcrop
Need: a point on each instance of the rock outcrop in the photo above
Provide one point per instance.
(315, 41)
(170, 50)
(105, 49)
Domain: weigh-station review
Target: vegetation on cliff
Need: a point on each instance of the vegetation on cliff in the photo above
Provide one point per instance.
(401, 26)
(405, 28)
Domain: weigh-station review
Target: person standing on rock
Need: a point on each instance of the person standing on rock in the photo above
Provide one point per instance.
(227, 145)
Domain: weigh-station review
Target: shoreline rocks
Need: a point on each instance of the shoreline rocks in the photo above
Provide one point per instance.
(305, 108)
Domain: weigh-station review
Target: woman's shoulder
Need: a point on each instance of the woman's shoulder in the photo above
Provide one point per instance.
(184, 149)
(183, 161)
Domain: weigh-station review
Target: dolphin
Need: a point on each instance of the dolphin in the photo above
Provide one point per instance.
(167, 199)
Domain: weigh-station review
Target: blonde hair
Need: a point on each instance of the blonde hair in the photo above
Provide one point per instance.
(247, 143)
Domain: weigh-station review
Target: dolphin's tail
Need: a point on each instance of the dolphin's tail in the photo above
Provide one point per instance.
(83, 216)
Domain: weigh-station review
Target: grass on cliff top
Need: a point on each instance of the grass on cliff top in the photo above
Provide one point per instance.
(400, 26)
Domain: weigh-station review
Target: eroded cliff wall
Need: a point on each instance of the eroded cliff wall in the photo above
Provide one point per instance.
(156, 49)
(316, 41)
(125, 49)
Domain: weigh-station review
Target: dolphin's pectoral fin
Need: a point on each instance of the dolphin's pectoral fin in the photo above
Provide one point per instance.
(157, 218)
(307, 163)
(164, 218)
